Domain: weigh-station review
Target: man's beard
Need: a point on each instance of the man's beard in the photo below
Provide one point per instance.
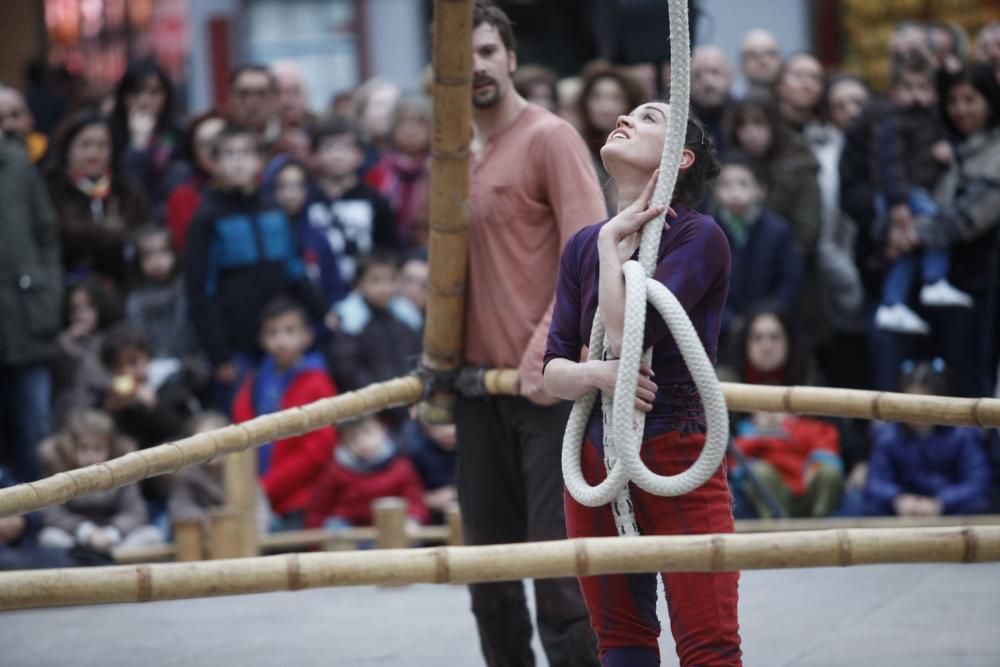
(486, 102)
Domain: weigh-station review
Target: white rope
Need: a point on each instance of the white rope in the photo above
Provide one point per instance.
(623, 424)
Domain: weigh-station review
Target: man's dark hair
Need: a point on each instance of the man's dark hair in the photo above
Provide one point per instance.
(280, 306)
(377, 257)
(487, 12)
(121, 339)
(738, 158)
(912, 62)
(693, 182)
(932, 375)
(336, 127)
(234, 131)
(240, 70)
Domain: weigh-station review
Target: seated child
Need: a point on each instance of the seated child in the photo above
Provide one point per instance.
(431, 449)
(924, 470)
(365, 466)
(766, 264)
(150, 408)
(79, 378)
(199, 488)
(911, 155)
(101, 521)
(796, 459)
(288, 376)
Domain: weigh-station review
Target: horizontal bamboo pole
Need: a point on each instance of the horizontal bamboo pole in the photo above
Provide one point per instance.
(827, 402)
(507, 562)
(173, 456)
(871, 522)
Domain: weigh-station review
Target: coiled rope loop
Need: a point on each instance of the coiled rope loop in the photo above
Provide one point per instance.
(623, 424)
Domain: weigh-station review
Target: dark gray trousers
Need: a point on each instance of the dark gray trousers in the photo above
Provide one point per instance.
(510, 489)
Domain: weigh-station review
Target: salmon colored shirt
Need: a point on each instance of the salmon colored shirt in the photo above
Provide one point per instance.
(532, 187)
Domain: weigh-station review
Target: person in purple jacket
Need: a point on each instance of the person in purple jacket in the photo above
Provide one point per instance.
(924, 470)
(694, 263)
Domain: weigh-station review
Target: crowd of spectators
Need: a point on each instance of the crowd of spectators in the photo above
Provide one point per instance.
(161, 275)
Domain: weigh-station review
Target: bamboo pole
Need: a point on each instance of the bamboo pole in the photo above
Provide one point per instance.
(390, 523)
(189, 536)
(240, 481)
(225, 534)
(507, 562)
(827, 402)
(449, 182)
(173, 456)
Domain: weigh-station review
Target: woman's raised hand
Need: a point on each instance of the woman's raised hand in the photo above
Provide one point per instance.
(632, 218)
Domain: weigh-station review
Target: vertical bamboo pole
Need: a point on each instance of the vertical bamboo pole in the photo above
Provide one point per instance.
(390, 523)
(453, 516)
(240, 477)
(189, 538)
(226, 532)
(449, 252)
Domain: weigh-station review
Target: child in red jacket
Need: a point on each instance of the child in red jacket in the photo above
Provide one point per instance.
(796, 459)
(288, 376)
(364, 467)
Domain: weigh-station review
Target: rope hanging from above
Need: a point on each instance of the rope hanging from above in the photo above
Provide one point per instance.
(623, 425)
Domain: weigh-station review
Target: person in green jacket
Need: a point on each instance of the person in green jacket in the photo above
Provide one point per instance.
(30, 306)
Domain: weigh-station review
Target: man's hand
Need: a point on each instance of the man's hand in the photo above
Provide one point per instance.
(533, 389)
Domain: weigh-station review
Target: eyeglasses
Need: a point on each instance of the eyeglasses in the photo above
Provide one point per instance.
(937, 365)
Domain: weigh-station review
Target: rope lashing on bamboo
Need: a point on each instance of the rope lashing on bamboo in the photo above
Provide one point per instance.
(504, 562)
(623, 425)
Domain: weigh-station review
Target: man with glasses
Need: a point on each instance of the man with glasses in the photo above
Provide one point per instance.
(760, 58)
(254, 102)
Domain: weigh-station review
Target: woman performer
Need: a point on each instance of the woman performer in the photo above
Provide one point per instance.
(693, 262)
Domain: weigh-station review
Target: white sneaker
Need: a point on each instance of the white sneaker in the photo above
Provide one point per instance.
(900, 319)
(943, 293)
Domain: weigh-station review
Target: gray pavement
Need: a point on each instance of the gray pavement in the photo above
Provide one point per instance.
(905, 615)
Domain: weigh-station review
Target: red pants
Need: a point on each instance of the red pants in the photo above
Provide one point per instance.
(623, 607)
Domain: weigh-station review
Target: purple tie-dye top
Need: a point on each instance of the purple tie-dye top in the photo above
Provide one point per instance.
(693, 262)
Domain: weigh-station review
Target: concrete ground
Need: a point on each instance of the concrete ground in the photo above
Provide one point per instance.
(912, 615)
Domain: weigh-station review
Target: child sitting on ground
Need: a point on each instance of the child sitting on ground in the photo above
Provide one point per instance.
(365, 466)
(797, 460)
(431, 448)
(924, 470)
(197, 489)
(288, 376)
(101, 521)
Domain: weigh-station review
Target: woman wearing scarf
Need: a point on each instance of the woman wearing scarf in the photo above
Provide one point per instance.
(96, 205)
